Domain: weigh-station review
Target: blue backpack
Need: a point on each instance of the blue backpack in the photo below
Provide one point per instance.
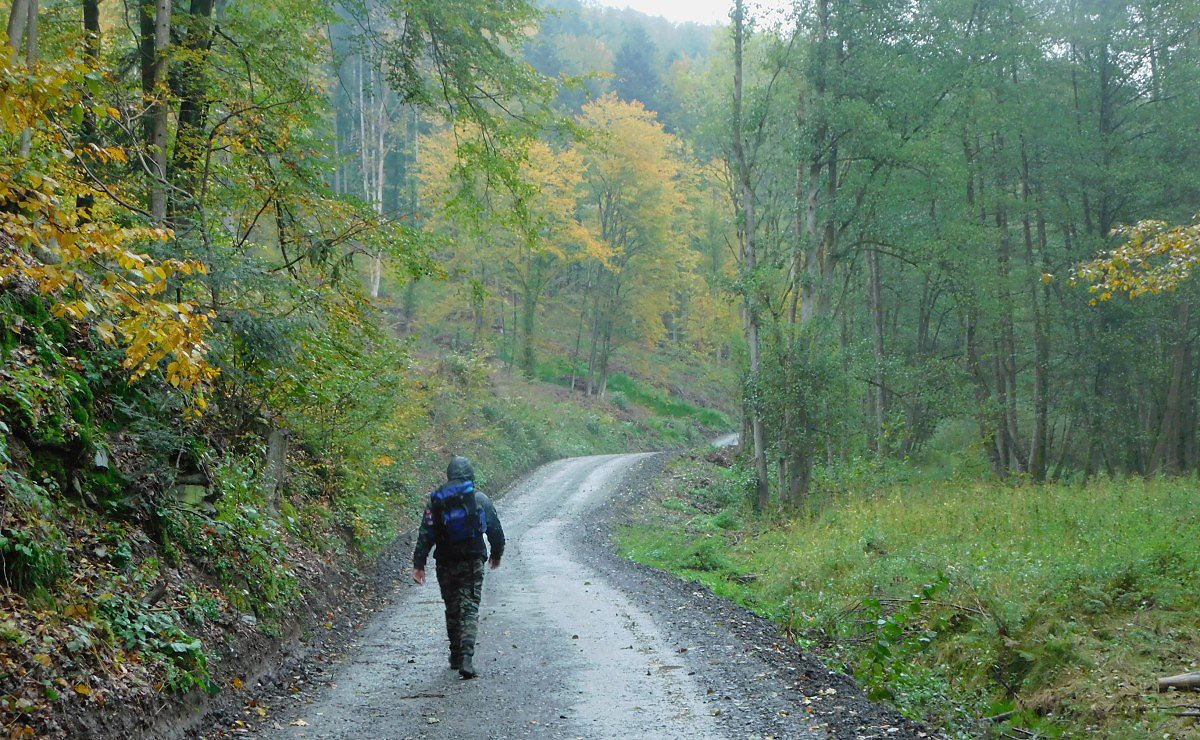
(456, 515)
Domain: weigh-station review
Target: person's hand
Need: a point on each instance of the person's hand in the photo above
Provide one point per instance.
(495, 563)
(419, 576)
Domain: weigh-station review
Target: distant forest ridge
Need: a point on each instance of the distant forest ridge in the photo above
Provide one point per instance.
(618, 49)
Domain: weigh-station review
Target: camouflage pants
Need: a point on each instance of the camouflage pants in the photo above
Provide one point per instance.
(461, 583)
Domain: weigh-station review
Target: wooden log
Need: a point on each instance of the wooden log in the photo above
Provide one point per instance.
(1181, 681)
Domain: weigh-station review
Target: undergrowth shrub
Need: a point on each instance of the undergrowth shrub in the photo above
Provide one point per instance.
(242, 543)
(139, 628)
(32, 558)
(32, 546)
(896, 633)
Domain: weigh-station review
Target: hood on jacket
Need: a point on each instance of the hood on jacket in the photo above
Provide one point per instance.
(460, 469)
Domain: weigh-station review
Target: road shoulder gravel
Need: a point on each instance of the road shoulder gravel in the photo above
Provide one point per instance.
(757, 681)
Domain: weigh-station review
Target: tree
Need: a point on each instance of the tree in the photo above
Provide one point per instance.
(635, 202)
(742, 164)
(522, 243)
(89, 266)
(636, 67)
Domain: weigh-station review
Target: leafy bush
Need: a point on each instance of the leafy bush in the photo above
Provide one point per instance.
(32, 546)
(242, 543)
(727, 520)
(143, 629)
(32, 556)
(896, 635)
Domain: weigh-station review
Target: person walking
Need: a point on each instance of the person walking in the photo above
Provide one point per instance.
(457, 518)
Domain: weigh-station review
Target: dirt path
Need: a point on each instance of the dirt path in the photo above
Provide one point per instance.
(575, 642)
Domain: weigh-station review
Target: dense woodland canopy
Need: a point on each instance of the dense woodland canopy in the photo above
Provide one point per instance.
(916, 186)
(906, 193)
(896, 197)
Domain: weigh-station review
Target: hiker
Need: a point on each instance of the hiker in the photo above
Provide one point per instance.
(456, 519)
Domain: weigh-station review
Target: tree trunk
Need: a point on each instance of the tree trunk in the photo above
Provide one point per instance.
(190, 82)
(31, 57)
(1181, 681)
(1166, 456)
(155, 38)
(984, 415)
(798, 220)
(594, 347)
(380, 101)
(1191, 442)
(275, 470)
(89, 130)
(1000, 410)
(878, 394)
(1006, 362)
(605, 355)
(821, 259)
(578, 345)
(528, 325)
(748, 253)
(18, 20)
(1041, 351)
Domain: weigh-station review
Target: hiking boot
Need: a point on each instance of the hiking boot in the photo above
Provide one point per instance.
(455, 661)
(467, 668)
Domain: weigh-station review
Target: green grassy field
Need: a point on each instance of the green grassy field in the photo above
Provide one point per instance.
(1048, 608)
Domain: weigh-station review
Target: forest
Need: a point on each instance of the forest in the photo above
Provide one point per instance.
(263, 266)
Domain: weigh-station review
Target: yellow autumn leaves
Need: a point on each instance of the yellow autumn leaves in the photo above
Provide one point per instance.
(1155, 258)
(616, 205)
(85, 258)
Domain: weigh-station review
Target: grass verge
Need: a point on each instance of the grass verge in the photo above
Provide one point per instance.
(979, 607)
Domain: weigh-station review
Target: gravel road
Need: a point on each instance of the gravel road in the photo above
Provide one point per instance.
(575, 642)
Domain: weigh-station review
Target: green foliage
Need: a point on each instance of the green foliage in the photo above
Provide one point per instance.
(895, 637)
(202, 608)
(156, 632)
(39, 388)
(32, 556)
(242, 543)
(480, 36)
(661, 404)
(31, 542)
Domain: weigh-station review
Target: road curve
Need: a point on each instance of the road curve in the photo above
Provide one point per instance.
(561, 652)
